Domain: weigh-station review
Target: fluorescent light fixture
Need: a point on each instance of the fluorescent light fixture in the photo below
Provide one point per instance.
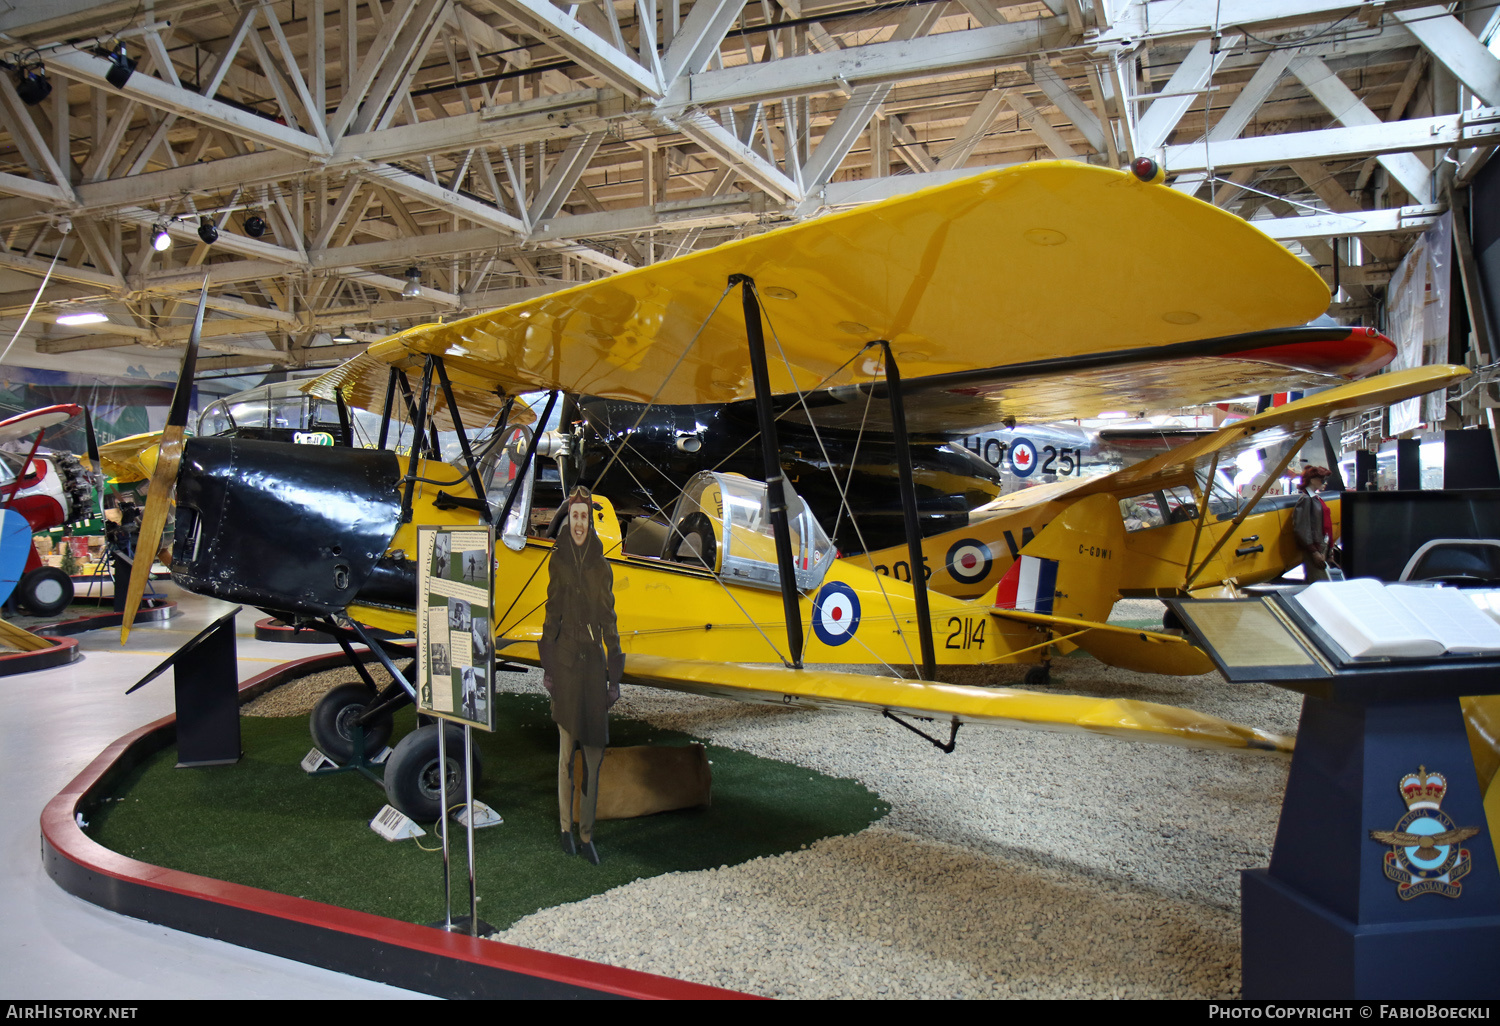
(161, 241)
(82, 318)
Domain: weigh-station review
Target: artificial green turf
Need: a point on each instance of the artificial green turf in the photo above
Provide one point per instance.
(265, 823)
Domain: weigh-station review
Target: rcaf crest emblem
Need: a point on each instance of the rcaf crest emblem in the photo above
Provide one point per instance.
(1425, 857)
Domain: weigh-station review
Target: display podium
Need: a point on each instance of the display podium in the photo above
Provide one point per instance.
(1381, 747)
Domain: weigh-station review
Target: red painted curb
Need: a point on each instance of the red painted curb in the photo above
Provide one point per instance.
(471, 967)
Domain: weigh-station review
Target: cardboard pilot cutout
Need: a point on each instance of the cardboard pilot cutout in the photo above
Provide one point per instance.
(581, 662)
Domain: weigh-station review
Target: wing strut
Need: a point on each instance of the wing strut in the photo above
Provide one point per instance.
(770, 451)
(463, 442)
(418, 442)
(385, 415)
(1239, 518)
(909, 512)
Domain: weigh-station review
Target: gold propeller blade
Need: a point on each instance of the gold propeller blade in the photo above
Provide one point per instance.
(164, 475)
(153, 521)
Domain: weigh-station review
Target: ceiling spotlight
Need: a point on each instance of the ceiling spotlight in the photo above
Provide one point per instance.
(255, 226)
(82, 318)
(121, 67)
(343, 336)
(160, 241)
(206, 230)
(32, 85)
(413, 287)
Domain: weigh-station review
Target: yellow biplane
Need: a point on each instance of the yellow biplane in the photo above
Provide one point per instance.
(1161, 527)
(935, 286)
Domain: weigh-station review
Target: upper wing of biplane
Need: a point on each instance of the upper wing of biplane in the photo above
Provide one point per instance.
(1030, 266)
(23, 424)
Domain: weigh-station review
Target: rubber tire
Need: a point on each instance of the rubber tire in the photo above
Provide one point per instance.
(1038, 676)
(411, 783)
(43, 581)
(331, 723)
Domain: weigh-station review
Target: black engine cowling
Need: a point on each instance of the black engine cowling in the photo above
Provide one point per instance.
(280, 526)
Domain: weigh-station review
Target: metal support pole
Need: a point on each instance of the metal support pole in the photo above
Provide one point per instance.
(770, 450)
(442, 729)
(909, 513)
(469, 801)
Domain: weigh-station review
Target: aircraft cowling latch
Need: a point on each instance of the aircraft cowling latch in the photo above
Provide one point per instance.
(284, 527)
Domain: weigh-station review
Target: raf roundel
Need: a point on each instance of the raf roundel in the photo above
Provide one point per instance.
(1022, 457)
(835, 616)
(969, 561)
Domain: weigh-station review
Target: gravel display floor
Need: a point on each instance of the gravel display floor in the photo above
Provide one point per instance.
(1024, 864)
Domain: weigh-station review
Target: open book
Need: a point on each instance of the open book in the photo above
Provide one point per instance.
(1369, 619)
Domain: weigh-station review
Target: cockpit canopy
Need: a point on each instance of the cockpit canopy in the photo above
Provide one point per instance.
(723, 522)
(278, 412)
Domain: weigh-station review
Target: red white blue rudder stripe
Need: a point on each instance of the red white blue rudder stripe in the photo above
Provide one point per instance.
(1028, 585)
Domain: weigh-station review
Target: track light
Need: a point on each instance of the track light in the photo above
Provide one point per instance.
(413, 287)
(255, 226)
(160, 241)
(121, 67)
(32, 85)
(206, 230)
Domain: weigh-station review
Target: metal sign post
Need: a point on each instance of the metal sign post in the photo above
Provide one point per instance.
(455, 674)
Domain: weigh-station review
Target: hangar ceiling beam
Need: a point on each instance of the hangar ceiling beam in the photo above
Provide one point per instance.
(874, 63)
(858, 110)
(570, 37)
(1072, 106)
(1456, 49)
(86, 68)
(1182, 91)
(1241, 110)
(1050, 136)
(1348, 109)
(1401, 220)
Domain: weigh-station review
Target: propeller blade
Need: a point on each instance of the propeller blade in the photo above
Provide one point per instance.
(163, 476)
(88, 426)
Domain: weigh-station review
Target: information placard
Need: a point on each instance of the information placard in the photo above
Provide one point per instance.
(455, 624)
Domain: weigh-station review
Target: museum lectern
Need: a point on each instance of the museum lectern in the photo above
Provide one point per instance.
(1383, 880)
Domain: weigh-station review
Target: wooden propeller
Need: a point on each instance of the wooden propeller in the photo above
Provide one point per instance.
(164, 476)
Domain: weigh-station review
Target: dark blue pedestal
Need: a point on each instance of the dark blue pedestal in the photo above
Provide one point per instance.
(1324, 921)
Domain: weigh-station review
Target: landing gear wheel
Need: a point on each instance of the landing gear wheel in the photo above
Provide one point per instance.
(1038, 676)
(332, 723)
(1170, 621)
(411, 773)
(46, 591)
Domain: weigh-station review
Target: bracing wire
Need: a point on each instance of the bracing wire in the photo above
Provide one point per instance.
(843, 492)
(34, 300)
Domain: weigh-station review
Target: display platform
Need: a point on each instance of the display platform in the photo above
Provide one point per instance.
(62, 651)
(398, 953)
(151, 611)
(1382, 852)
